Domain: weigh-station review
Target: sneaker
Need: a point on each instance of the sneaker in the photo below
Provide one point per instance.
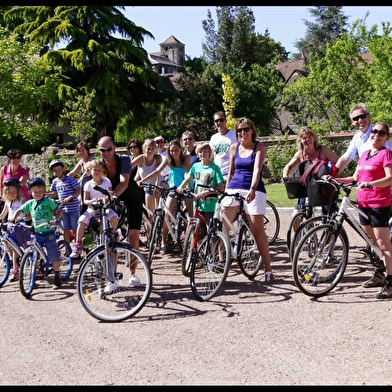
(135, 281)
(57, 282)
(386, 291)
(14, 275)
(76, 251)
(110, 287)
(377, 280)
(269, 277)
(163, 249)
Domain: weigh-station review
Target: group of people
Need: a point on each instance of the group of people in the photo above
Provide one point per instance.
(232, 160)
(372, 148)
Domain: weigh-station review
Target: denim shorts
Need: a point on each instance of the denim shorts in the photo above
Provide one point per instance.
(48, 241)
(69, 220)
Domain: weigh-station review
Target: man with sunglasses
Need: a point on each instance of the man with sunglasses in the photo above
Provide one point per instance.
(118, 170)
(221, 141)
(361, 120)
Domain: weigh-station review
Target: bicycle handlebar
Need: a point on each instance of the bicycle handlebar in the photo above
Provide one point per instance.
(223, 194)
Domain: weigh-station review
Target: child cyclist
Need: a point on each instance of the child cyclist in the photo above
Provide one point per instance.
(98, 172)
(43, 210)
(67, 189)
(205, 172)
(13, 200)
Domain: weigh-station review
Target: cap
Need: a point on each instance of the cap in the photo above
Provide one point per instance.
(158, 138)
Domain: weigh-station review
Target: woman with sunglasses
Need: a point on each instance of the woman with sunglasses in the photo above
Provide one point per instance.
(374, 179)
(245, 177)
(14, 169)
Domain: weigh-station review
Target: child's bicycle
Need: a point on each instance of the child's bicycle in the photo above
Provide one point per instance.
(196, 228)
(107, 285)
(7, 243)
(35, 264)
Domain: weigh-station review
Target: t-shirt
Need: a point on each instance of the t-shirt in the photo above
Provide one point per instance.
(206, 175)
(66, 187)
(220, 145)
(371, 168)
(41, 211)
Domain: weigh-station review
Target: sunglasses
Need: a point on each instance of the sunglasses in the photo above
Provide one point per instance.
(379, 132)
(356, 118)
(130, 147)
(160, 142)
(218, 120)
(247, 129)
(107, 149)
(16, 157)
(187, 138)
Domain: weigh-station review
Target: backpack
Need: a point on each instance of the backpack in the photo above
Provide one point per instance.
(294, 187)
(314, 172)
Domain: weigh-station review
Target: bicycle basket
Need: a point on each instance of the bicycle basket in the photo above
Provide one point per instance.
(294, 188)
(321, 193)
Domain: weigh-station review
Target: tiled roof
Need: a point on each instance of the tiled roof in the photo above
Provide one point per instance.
(171, 40)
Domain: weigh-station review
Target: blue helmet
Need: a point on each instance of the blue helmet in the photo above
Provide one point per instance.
(35, 181)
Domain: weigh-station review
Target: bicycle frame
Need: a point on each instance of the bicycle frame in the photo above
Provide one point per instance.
(345, 214)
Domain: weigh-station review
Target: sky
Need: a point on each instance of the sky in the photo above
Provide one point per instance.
(285, 24)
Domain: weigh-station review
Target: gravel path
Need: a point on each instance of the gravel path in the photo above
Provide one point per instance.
(250, 334)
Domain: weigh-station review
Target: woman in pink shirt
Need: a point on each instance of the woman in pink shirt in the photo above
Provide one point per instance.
(14, 169)
(374, 177)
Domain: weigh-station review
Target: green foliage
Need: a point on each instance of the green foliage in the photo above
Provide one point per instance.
(78, 116)
(102, 53)
(277, 157)
(23, 91)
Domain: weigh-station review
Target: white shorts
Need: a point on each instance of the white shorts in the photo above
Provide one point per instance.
(258, 206)
(90, 212)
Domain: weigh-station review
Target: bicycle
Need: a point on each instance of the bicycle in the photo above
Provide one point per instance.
(192, 233)
(321, 257)
(176, 223)
(35, 265)
(213, 257)
(7, 242)
(106, 282)
(271, 222)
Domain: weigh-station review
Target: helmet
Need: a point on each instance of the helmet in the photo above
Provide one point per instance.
(35, 181)
(13, 181)
(56, 162)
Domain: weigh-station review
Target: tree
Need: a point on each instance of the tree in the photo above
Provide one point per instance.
(235, 41)
(93, 58)
(23, 93)
(77, 115)
(329, 25)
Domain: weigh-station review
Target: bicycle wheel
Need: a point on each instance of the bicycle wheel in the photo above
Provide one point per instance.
(181, 224)
(295, 221)
(66, 261)
(271, 222)
(303, 228)
(320, 260)
(154, 239)
(210, 266)
(188, 251)
(126, 297)
(248, 256)
(27, 272)
(5, 265)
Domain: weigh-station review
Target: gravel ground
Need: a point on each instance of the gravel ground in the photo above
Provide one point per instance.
(249, 334)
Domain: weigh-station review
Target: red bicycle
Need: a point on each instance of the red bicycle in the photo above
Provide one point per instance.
(197, 225)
